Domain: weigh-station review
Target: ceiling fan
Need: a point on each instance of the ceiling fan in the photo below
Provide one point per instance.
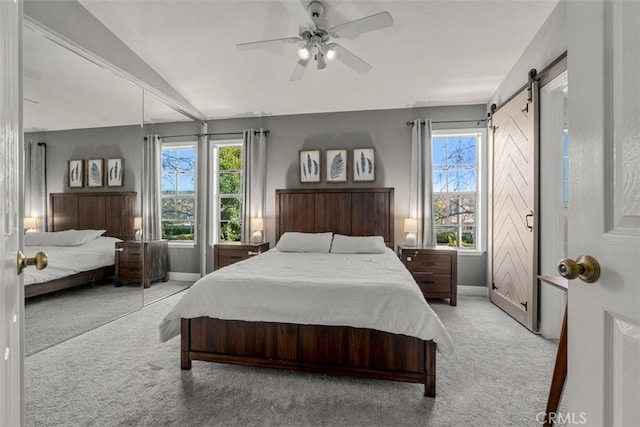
(316, 42)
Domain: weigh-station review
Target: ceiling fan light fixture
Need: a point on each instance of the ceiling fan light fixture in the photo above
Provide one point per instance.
(331, 52)
(320, 59)
(304, 52)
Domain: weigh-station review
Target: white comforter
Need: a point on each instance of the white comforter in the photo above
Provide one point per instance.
(372, 291)
(68, 260)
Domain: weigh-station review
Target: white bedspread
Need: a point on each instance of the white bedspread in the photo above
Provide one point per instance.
(372, 291)
(68, 260)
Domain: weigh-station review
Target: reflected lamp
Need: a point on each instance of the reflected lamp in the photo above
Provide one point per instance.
(411, 228)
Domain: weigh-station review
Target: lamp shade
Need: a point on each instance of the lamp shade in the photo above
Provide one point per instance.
(410, 225)
(257, 224)
(137, 223)
(30, 222)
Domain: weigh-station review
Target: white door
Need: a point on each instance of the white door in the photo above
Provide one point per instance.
(604, 211)
(11, 295)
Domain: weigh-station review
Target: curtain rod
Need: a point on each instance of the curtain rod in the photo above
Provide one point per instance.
(450, 121)
(255, 132)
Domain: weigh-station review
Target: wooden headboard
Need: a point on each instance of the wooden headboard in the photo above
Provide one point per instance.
(348, 211)
(111, 211)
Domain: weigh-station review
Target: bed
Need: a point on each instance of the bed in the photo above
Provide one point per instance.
(109, 211)
(321, 334)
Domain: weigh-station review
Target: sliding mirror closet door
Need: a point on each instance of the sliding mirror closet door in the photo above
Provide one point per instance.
(166, 241)
(82, 126)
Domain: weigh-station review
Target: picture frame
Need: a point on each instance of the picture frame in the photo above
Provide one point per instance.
(364, 164)
(337, 165)
(76, 174)
(94, 172)
(115, 173)
(309, 165)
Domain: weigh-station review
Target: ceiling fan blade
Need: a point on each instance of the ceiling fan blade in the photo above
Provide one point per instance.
(299, 13)
(266, 43)
(350, 60)
(353, 29)
(298, 71)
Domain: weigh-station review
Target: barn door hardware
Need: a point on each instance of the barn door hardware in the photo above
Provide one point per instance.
(533, 76)
(524, 304)
(526, 220)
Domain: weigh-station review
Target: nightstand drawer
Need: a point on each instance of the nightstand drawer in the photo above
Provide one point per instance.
(433, 283)
(229, 253)
(434, 269)
(436, 264)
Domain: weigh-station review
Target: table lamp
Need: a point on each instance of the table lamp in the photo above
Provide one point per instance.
(410, 227)
(257, 226)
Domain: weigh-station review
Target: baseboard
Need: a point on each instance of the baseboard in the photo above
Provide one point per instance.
(187, 277)
(481, 291)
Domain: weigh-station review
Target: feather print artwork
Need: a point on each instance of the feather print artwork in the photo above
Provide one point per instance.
(337, 166)
(309, 166)
(74, 173)
(364, 164)
(94, 174)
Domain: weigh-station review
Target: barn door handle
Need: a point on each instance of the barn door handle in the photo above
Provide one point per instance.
(526, 220)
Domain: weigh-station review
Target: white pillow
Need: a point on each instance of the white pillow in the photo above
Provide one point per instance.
(61, 238)
(304, 242)
(358, 244)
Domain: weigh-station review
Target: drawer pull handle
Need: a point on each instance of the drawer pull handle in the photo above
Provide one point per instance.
(428, 282)
(251, 253)
(119, 249)
(235, 257)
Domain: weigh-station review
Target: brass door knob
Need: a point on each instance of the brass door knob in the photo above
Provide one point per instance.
(41, 260)
(585, 267)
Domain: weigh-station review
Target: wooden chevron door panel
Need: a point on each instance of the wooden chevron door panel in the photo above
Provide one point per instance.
(514, 206)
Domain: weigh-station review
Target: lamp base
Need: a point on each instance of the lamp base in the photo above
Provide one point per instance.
(138, 235)
(256, 237)
(410, 239)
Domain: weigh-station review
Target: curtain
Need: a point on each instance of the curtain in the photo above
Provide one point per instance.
(421, 188)
(254, 174)
(35, 182)
(151, 199)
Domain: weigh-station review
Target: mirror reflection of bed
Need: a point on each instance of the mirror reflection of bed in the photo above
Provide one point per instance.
(100, 129)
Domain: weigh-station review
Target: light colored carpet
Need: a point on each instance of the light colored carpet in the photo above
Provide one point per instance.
(121, 375)
(53, 318)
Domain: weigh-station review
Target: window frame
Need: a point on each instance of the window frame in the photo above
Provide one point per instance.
(481, 186)
(182, 145)
(214, 145)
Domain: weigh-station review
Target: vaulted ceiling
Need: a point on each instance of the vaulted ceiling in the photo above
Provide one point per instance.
(438, 52)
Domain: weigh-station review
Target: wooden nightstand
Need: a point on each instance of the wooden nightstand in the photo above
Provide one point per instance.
(228, 253)
(142, 262)
(435, 269)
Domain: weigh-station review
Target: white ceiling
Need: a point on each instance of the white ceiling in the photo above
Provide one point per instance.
(438, 52)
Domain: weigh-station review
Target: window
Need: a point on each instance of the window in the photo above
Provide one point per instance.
(455, 188)
(178, 191)
(227, 185)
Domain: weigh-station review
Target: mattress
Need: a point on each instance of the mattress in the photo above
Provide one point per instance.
(68, 260)
(373, 291)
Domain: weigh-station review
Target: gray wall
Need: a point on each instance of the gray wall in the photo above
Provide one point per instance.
(547, 45)
(386, 130)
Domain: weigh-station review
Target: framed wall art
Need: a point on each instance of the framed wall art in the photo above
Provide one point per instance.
(336, 161)
(115, 173)
(310, 166)
(94, 172)
(76, 173)
(364, 164)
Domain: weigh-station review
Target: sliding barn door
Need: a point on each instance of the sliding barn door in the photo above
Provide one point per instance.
(514, 204)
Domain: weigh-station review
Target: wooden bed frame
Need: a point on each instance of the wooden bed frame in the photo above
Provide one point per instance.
(337, 350)
(111, 211)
